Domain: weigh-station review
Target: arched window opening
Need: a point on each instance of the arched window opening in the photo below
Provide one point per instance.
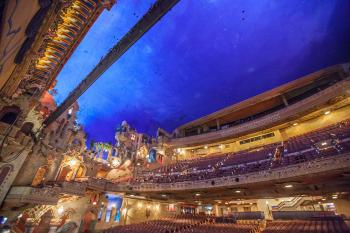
(4, 171)
(39, 176)
(9, 114)
(27, 128)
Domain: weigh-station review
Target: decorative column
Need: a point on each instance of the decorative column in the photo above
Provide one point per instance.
(217, 124)
(342, 207)
(263, 205)
(29, 227)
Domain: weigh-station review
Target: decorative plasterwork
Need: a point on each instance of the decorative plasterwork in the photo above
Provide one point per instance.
(72, 19)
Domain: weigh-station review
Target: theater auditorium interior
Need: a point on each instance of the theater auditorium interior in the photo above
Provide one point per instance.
(187, 116)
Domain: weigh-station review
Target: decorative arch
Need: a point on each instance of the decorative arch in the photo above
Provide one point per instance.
(39, 175)
(81, 171)
(59, 128)
(89, 220)
(65, 173)
(63, 130)
(9, 114)
(5, 170)
(27, 128)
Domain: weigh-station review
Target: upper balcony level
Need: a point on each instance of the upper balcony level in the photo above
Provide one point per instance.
(269, 109)
(318, 159)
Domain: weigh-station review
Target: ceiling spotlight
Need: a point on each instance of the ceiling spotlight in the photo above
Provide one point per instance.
(72, 162)
(295, 124)
(324, 143)
(206, 147)
(323, 199)
(198, 194)
(163, 195)
(288, 186)
(327, 112)
(238, 191)
(132, 195)
(335, 197)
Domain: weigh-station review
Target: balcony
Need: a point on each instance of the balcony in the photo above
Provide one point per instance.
(40, 196)
(302, 107)
(74, 188)
(317, 166)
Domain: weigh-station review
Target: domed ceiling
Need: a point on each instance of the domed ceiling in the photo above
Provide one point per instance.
(202, 56)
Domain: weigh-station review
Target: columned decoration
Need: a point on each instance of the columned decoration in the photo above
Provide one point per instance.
(66, 23)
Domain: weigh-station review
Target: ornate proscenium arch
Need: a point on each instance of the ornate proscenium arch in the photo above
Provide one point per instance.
(154, 14)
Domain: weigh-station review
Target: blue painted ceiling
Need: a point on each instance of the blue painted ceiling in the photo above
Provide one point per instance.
(202, 56)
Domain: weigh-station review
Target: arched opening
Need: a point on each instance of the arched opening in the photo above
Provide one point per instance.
(9, 114)
(89, 221)
(39, 176)
(44, 224)
(50, 136)
(4, 171)
(64, 129)
(65, 174)
(58, 130)
(27, 128)
(80, 172)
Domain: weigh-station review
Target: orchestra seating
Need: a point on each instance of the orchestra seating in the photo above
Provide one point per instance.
(306, 226)
(254, 215)
(328, 141)
(163, 225)
(186, 224)
(325, 222)
(288, 215)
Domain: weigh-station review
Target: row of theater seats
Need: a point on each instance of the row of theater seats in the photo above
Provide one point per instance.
(328, 141)
(186, 224)
(161, 226)
(202, 224)
(222, 228)
(288, 215)
(306, 226)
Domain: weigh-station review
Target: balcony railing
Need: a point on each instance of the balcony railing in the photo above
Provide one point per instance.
(341, 161)
(42, 196)
(302, 107)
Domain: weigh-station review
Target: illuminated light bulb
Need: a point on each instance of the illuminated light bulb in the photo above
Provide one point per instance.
(288, 186)
(60, 210)
(295, 124)
(72, 162)
(327, 112)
